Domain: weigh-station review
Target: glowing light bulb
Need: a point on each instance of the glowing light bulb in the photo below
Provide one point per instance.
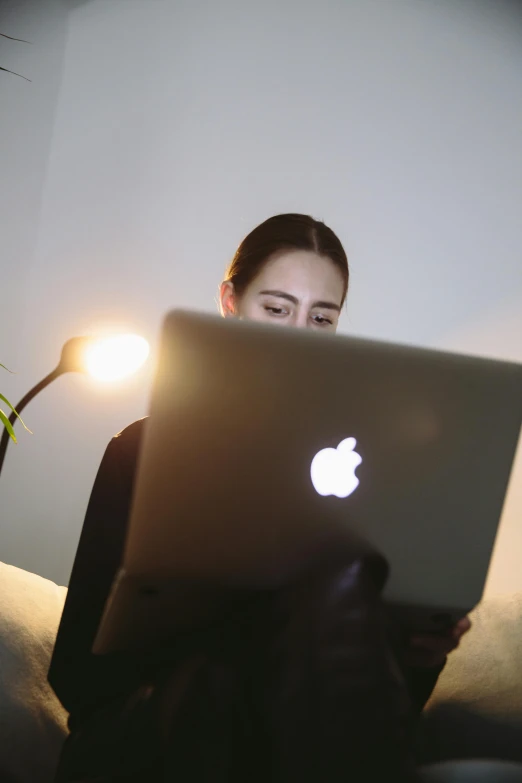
(113, 358)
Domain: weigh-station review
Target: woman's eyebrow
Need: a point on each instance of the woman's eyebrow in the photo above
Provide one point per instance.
(294, 300)
(327, 306)
(280, 295)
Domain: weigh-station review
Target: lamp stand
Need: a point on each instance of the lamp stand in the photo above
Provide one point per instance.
(4, 441)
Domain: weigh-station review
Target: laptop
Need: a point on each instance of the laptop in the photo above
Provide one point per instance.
(267, 447)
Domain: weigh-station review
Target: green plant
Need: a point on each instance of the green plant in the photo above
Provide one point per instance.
(4, 419)
(3, 416)
(20, 40)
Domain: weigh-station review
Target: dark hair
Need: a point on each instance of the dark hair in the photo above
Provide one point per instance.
(281, 232)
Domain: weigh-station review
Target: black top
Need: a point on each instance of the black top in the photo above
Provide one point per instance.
(82, 680)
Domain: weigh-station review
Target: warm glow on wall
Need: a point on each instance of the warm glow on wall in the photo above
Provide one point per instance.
(114, 358)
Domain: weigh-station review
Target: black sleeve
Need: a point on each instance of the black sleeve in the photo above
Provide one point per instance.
(421, 683)
(80, 679)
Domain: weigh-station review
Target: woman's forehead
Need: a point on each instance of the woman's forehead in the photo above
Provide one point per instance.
(300, 270)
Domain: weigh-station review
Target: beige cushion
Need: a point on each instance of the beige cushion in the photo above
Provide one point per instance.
(32, 721)
(476, 708)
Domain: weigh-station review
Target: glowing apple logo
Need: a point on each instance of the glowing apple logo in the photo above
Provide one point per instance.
(333, 470)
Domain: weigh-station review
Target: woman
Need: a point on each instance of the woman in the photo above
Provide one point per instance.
(131, 717)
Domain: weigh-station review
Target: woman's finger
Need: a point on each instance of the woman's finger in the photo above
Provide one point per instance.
(460, 628)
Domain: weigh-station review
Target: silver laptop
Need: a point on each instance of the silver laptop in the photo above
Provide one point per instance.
(268, 447)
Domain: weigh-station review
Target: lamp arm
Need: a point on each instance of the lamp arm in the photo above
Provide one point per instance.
(4, 441)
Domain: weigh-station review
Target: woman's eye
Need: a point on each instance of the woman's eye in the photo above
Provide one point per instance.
(275, 310)
(321, 320)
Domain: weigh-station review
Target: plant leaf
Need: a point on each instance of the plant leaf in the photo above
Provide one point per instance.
(4, 399)
(7, 424)
(6, 368)
(21, 40)
(14, 73)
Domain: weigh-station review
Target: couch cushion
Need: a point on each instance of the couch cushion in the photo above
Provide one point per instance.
(476, 708)
(32, 720)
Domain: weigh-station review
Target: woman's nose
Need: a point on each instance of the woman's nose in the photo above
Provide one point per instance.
(301, 319)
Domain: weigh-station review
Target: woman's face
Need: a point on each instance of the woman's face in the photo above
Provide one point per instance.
(294, 288)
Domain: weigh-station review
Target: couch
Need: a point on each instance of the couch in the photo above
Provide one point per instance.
(33, 724)
(476, 708)
(474, 712)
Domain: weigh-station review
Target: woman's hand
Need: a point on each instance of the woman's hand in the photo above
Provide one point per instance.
(430, 650)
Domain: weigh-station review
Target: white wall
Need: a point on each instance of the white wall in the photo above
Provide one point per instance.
(27, 112)
(183, 123)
